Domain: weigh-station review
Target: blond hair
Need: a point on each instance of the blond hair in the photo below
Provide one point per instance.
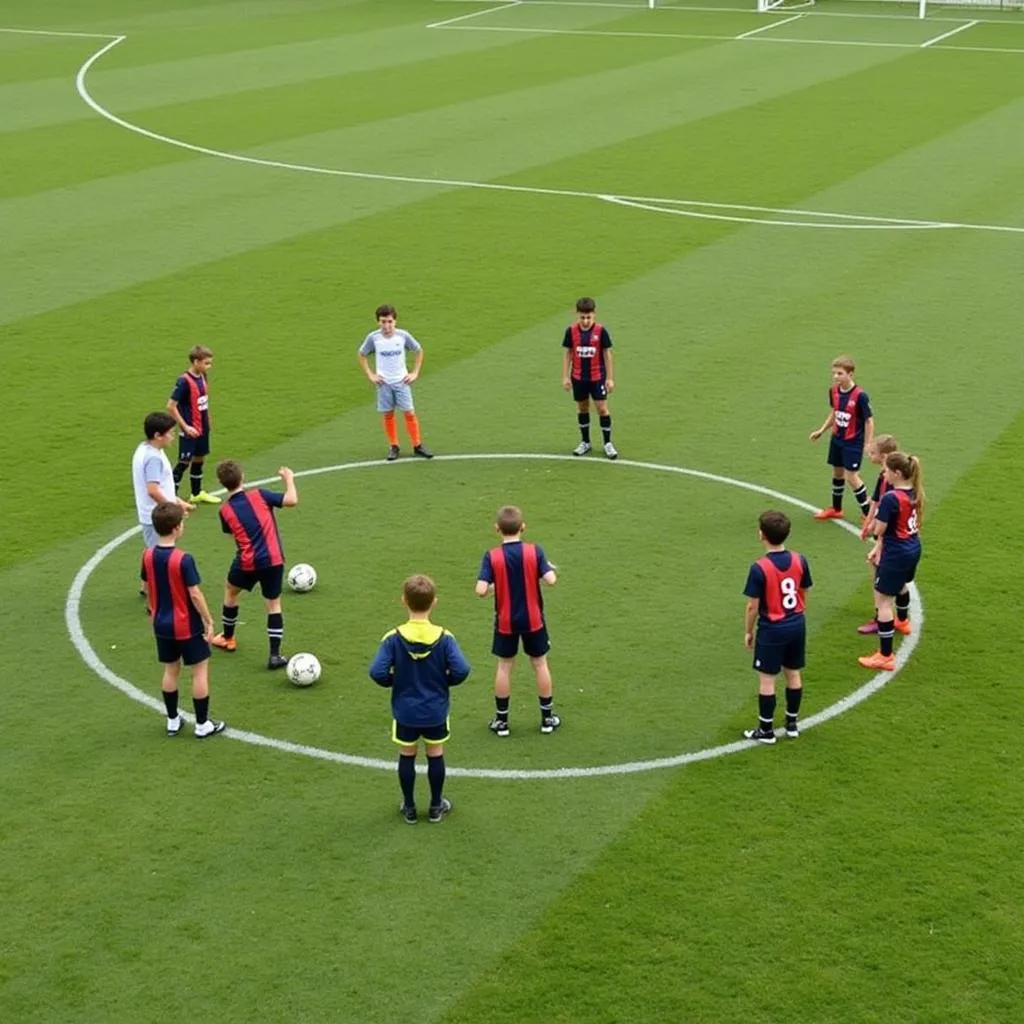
(844, 363)
(909, 467)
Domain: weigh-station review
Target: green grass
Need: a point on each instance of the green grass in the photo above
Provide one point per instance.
(867, 873)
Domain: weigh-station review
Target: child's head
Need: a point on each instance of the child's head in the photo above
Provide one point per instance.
(230, 475)
(168, 517)
(882, 445)
(843, 368)
(419, 593)
(387, 317)
(903, 470)
(585, 311)
(509, 521)
(200, 358)
(159, 428)
(774, 527)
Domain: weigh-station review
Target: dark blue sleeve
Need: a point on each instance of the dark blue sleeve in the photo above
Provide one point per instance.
(864, 405)
(543, 565)
(382, 666)
(606, 338)
(876, 494)
(486, 572)
(755, 582)
(189, 571)
(567, 338)
(888, 507)
(180, 390)
(805, 581)
(273, 498)
(456, 666)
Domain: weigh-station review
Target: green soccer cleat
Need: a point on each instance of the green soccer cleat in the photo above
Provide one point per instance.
(204, 498)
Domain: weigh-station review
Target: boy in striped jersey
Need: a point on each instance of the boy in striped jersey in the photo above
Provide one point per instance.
(189, 404)
(249, 517)
(588, 372)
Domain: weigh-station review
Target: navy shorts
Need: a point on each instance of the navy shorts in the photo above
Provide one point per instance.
(193, 447)
(535, 644)
(191, 651)
(404, 735)
(584, 389)
(271, 580)
(894, 573)
(845, 456)
(779, 647)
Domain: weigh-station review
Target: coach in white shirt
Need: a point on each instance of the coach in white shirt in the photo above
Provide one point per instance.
(152, 476)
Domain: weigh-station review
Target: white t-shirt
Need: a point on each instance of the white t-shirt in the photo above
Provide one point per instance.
(151, 466)
(390, 353)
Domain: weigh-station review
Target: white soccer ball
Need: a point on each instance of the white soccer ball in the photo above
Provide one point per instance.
(302, 578)
(303, 669)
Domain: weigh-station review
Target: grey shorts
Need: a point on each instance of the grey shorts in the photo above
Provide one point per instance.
(394, 396)
(150, 538)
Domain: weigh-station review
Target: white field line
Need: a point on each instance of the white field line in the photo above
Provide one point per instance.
(76, 632)
(909, 16)
(49, 32)
(475, 14)
(874, 221)
(946, 35)
(764, 28)
(726, 39)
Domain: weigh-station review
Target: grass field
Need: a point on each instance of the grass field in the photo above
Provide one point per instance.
(258, 176)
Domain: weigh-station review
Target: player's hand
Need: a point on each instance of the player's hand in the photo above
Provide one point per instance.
(186, 507)
(409, 377)
(874, 555)
(190, 431)
(376, 379)
(609, 386)
(865, 530)
(566, 383)
(748, 640)
(286, 474)
(815, 434)
(208, 630)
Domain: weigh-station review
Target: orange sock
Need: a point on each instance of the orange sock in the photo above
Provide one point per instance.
(412, 426)
(391, 428)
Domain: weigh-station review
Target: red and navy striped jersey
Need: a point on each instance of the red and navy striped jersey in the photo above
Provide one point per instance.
(898, 511)
(882, 487)
(851, 410)
(586, 348)
(249, 517)
(778, 581)
(515, 570)
(168, 573)
(193, 400)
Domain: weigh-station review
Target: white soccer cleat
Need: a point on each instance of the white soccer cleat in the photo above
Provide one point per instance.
(582, 448)
(610, 450)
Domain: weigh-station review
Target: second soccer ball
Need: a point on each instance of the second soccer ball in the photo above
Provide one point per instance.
(302, 578)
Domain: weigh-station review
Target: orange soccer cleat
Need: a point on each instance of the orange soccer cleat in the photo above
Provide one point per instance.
(884, 662)
(828, 513)
(224, 643)
(903, 626)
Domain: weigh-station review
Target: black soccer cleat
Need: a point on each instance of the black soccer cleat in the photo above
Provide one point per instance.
(792, 729)
(438, 813)
(276, 661)
(423, 452)
(549, 723)
(393, 453)
(408, 813)
(499, 726)
(766, 736)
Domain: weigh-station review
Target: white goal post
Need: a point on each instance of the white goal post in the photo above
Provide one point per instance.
(923, 6)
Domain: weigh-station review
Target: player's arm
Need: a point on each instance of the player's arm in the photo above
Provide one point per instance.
(869, 431)
(175, 410)
(609, 364)
(485, 577)
(749, 618)
(566, 358)
(291, 495)
(374, 378)
(550, 578)
(199, 601)
(413, 345)
(457, 668)
(382, 668)
(827, 425)
(483, 588)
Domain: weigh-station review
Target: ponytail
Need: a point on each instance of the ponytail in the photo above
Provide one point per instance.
(909, 467)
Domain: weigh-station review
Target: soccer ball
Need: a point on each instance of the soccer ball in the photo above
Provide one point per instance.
(302, 578)
(303, 669)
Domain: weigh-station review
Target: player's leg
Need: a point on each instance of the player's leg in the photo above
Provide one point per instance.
(794, 695)
(581, 393)
(853, 478)
(435, 741)
(536, 646)
(765, 731)
(225, 640)
(167, 649)
(186, 448)
(902, 622)
(195, 477)
(605, 419)
(386, 406)
(888, 583)
(504, 648)
(403, 400)
(870, 628)
(407, 738)
(197, 655)
(835, 460)
(271, 583)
